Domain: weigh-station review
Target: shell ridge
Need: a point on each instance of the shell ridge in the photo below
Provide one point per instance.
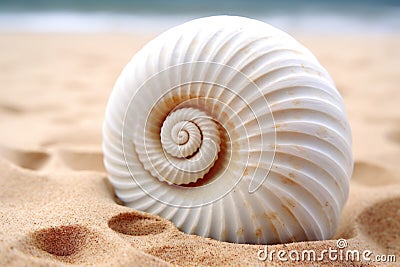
(298, 156)
(315, 231)
(283, 233)
(311, 193)
(322, 156)
(311, 179)
(335, 143)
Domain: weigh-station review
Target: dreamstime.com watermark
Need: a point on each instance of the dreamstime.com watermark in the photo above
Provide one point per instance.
(339, 253)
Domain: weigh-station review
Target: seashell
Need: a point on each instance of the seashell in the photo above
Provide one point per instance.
(232, 130)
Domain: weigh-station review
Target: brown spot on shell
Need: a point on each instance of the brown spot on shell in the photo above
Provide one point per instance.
(240, 231)
(297, 166)
(272, 215)
(216, 108)
(259, 233)
(224, 116)
(289, 211)
(299, 148)
(279, 125)
(223, 235)
(286, 180)
(169, 102)
(322, 132)
(176, 99)
(296, 102)
(230, 125)
(290, 202)
(246, 172)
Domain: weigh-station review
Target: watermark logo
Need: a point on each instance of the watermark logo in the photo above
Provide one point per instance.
(339, 253)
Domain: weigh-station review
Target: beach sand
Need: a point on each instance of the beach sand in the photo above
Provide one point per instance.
(57, 207)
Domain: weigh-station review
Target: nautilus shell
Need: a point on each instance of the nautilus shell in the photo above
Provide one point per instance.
(232, 130)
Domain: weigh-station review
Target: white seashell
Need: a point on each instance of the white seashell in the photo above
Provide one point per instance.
(231, 129)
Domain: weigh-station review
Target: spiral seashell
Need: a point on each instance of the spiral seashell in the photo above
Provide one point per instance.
(232, 130)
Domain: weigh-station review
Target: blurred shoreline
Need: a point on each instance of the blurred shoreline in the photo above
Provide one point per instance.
(383, 23)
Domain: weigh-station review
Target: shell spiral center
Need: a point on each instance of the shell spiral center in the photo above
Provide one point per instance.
(191, 142)
(180, 138)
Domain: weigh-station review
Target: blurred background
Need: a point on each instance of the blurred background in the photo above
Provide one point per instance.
(365, 17)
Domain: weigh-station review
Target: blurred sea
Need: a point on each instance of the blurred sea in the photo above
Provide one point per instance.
(304, 16)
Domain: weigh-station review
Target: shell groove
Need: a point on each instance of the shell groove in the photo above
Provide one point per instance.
(231, 129)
